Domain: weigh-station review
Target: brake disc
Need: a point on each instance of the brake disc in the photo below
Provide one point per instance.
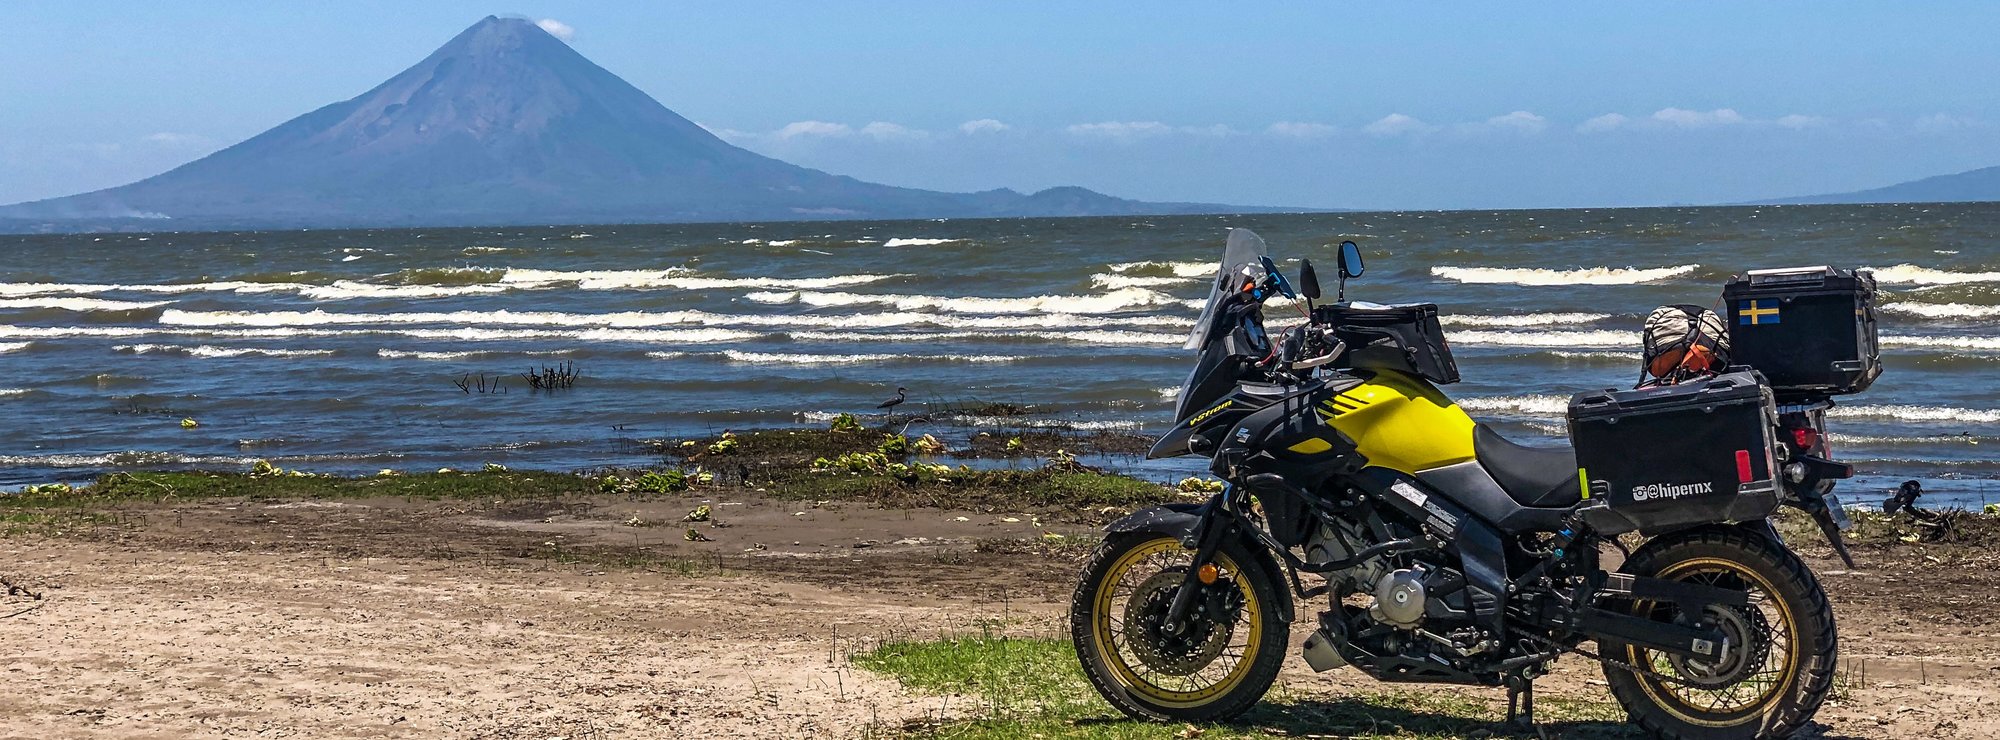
(1176, 654)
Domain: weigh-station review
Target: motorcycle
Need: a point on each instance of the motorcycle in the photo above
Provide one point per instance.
(1446, 553)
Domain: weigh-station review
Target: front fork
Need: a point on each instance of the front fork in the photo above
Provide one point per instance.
(1217, 522)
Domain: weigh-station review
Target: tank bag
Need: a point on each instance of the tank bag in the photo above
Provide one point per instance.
(1683, 342)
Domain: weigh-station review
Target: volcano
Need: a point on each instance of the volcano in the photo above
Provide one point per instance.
(506, 124)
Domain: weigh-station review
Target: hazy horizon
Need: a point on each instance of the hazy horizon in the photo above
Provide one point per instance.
(1456, 106)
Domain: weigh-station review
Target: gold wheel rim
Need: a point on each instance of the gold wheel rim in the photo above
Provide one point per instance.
(1204, 685)
(1724, 706)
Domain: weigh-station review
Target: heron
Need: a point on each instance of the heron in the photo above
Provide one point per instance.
(902, 394)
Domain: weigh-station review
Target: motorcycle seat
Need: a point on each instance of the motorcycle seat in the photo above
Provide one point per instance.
(1540, 477)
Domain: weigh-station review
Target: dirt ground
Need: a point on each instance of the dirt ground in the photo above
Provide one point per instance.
(393, 618)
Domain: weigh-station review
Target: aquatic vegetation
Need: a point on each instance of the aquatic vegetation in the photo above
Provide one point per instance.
(845, 423)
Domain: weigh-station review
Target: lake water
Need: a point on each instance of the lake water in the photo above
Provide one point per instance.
(336, 351)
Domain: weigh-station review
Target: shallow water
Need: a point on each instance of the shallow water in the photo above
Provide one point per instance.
(336, 350)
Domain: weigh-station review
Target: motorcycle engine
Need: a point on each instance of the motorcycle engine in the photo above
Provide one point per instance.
(1337, 541)
(1399, 599)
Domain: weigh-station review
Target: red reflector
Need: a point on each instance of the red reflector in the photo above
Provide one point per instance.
(1743, 466)
(1805, 438)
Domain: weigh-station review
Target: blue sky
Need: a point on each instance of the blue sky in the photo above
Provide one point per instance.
(1406, 105)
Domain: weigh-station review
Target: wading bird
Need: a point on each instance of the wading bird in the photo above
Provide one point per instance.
(902, 394)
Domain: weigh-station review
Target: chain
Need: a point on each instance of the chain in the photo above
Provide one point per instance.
(1613, 662)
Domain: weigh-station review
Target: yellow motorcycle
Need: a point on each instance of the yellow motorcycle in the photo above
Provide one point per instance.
(1442, 552)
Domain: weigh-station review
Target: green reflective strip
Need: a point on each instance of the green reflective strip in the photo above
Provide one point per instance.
(1583, 481)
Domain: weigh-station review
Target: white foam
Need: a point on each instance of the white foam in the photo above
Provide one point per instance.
(342, 290)
(1087, 337)
(1592, 338)
(917, 242)
(1115, 281)
(4, 392)
(1177, 269)
(211, 351)
(768, 358)
(1920, 413)
(680, 278)
(1982, 343)
(1526, 319)
(1172, 392)
(1545, 276)
(78, 304)
(637, 319)
(1125, 299)
(1596, 355)
(6, 347)
(397, 354)
(1942, 310)
(226, 286)
(1908, 274)
(1537, 405)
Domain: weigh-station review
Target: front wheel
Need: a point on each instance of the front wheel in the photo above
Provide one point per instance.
(1214, 666)
(1777, 665)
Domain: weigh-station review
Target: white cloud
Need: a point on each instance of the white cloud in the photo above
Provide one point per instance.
(557, 28)
(812, 129)
(1600, 124)
(1397, 124)
(1301, 130)
(885, 131)
(1799, 121)
(982, 126)
(1520, 121)
(170, 138)
(1684, 118)
(1939, 123)
(1122, 130)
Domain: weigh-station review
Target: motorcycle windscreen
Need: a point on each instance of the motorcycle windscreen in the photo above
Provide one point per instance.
(1242, 261)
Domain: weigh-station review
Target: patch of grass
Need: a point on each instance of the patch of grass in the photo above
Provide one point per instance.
(1080, 495)
(1019, 689)
(120, 487)
(51, 522)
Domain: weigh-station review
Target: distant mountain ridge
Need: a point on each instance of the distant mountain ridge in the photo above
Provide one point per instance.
(506, 124)
(1972, 186)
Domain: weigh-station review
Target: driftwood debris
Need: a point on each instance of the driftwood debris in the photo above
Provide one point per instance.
(562, 375)
(480, 384)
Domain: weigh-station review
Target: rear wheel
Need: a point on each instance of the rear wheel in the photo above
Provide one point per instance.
(1213, 667)
(1777, 665)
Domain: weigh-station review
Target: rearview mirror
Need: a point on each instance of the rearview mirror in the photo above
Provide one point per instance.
(1350, 260)
(1308, 280)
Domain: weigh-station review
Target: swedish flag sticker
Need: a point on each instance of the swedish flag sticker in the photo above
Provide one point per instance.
(1757, 311)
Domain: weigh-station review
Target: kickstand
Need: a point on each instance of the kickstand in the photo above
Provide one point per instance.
(1521, 704)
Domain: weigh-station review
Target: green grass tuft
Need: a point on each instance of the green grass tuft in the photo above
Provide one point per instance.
(1018, 689)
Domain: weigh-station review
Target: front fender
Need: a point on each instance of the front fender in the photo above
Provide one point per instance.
(1182, 521)
(1179, 519)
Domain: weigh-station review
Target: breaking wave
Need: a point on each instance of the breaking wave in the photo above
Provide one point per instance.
(79, 304)
(917, 242)
(769, 358)
(1980, 343)
(1126, 299)
(1919, 413)
(1908, 274)
(211, 351)
(1595, 338)
(1546, 276)
(1536, 405)
(1525, 319)
(1942, 310)
(178, 317)
(1175, 269)
(1115, 281)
